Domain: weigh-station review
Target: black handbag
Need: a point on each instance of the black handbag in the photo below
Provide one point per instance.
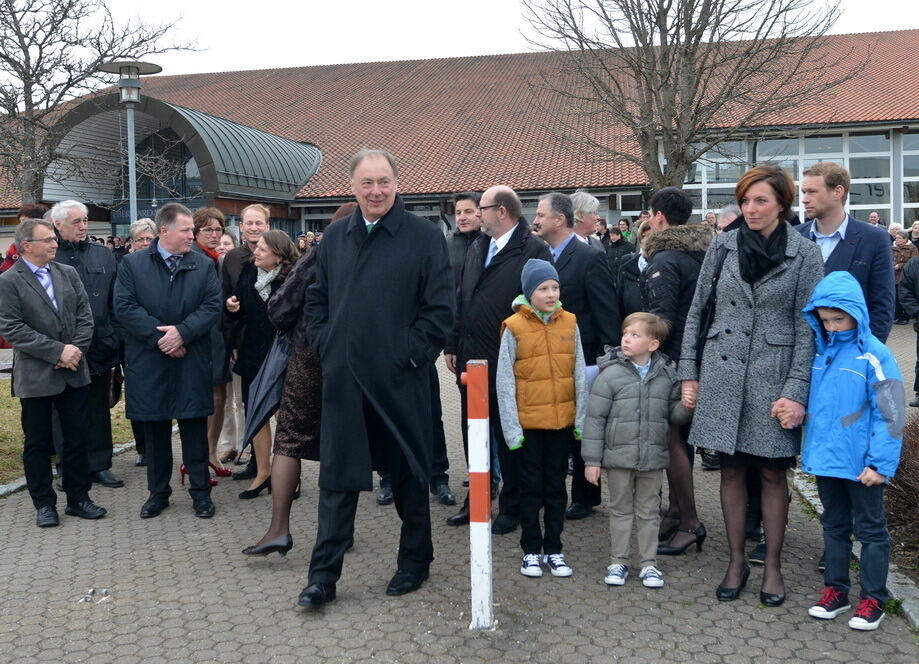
(707, 315)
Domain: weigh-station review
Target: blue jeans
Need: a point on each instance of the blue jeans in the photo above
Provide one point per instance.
(851, 507)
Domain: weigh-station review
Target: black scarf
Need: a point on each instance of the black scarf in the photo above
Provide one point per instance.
(757, 254)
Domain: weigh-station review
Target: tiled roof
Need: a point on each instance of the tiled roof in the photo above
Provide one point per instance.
(468, 123)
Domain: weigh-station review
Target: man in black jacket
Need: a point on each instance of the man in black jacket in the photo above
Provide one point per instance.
(588, 291)
(468, 228)
(488, 285)
(617, 248)
(675, 252)
(96, 266)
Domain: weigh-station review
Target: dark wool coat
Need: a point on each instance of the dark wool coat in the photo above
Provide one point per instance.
(759, 348)
(616, 251)
(258, 333)
(587, 290)
(628, 289)
(486, 295)
(96, 266)
(458, 244)
(379, 312)
(287, 305)
(675, 257)
(146, 296)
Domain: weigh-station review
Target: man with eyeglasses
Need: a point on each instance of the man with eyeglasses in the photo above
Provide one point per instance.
(48, 320)
(96, 268)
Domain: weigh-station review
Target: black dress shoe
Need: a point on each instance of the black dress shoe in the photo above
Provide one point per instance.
(404, 582)
(281, 544)
(384, 495)
(141, 460)
(316, 595)
(106, 478)
(153, 507)
(204, 508)
(47, 517)
(758, 554)
(86, 509)
(443, 493)
(461, 518)
(246, 473)
(771, 599)
(504, 524)
(725, 594)
(667, 549)
(578, 511)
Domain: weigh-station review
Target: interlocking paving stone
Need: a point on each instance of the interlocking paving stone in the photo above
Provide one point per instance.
(181, 590)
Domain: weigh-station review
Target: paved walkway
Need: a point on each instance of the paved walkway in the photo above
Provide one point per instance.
(179, 590)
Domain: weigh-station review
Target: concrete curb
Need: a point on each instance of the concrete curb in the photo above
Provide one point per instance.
(20, 484)
(901, 587)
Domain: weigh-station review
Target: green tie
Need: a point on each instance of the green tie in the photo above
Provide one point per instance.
(370, 227)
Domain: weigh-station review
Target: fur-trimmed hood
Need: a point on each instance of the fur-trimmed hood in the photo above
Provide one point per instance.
(689, 237)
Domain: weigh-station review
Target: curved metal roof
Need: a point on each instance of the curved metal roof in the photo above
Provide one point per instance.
(234, 160)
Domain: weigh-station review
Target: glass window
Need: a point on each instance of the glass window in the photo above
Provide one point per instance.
(694, 174)
(810, 162)
(790, 165)
(725, 171)
(869, 194)
(728, 149)
(775, 147)
(911, 192)
(869, 167)
(869, 143)
(631, 201)
(911, 166)
(696, 196)
(822, 144)
(718, 198)
(911, 141)
(910, 215)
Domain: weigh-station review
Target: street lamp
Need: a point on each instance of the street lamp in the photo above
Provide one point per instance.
(129, 86)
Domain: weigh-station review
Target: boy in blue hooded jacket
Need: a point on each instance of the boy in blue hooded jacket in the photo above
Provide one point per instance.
(852, 440)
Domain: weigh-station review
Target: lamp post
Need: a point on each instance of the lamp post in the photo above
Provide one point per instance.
(129, 86)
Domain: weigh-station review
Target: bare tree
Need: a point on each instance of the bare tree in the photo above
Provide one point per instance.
(49, 52)
(683, 76)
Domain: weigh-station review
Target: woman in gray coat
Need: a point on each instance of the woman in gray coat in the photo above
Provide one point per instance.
(752, 382)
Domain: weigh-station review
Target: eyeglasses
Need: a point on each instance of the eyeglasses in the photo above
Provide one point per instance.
(485, 207)
(46, 240)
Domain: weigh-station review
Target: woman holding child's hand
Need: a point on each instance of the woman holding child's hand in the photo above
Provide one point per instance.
(751, 385)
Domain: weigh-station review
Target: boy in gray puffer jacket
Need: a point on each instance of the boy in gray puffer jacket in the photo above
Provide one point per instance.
(632, 404)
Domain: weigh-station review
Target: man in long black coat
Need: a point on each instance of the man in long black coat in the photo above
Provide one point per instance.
(489, 283)
(379, 312)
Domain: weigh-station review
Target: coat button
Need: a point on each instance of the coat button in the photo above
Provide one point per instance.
(724, 357)
(743, 361)
(733, 303)
(727, 331)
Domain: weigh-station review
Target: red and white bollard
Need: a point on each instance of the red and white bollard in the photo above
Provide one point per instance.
(475, 378)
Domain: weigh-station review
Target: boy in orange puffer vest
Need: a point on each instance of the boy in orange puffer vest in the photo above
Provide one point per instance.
(542, 396)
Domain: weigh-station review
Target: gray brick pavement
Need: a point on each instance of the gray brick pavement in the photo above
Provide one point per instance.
(181, 591)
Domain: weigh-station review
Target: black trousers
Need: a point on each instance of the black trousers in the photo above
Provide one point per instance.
(439, 462)
(582, 491)
(140, 445)
(916, 379)
(39, 446)
(542, 463)
(98, 424)
(508, 499)
(158, 439)
(337, 510)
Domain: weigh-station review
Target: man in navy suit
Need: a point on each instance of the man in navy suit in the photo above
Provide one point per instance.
(847, 244)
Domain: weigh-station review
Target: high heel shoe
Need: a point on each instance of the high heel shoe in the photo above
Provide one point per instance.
(253, 493)
(667, 533)
(281, 544)
(730, 594)
(669, 550)
(183, 471)
(220, 472)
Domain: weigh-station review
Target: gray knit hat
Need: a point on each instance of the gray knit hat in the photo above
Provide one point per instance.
(536, 271)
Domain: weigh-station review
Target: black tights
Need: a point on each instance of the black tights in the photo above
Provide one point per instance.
(775, 516)
(681, 490)
(285, 478)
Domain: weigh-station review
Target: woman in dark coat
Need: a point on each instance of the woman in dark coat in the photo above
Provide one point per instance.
(209, 227)
(754, 377)
(272, 260)
(297, 433)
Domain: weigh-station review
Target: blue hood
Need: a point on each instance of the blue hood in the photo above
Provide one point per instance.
(839, 290)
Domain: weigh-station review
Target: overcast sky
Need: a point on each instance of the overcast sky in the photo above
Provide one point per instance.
(293, 33)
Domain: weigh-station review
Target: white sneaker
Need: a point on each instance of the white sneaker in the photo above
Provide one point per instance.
(557, 565)
(651, 577)
(530, 565)
(616, 575)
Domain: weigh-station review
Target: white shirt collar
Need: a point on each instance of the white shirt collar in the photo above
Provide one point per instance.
(504, 239)
(815, 233)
